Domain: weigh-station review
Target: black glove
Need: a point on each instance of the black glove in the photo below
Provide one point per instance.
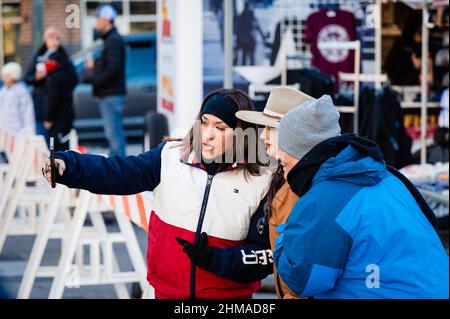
(200, 254)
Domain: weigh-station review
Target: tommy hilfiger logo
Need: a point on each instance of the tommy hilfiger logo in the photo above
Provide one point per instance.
(235, 190)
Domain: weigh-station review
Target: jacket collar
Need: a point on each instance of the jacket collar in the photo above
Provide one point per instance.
(108, 33)
(189, 157)
(301, 176)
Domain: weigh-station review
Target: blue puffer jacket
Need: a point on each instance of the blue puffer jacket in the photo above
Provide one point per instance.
(358, 232)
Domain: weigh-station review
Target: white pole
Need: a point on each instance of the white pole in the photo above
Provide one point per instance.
(283, 61)
(126, 16)
(228, 43)
(424, 89)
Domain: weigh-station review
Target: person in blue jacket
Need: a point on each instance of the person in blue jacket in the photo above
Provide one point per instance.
(360, 229)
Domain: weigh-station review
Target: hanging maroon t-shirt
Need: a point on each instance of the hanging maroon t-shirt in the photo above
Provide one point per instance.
(335, 26)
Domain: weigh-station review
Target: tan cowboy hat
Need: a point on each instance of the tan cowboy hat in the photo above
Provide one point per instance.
(281, 100)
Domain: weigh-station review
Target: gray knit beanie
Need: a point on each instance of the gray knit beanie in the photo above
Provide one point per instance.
(307, 125)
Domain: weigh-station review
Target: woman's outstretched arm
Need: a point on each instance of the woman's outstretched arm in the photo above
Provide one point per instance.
(113, 175)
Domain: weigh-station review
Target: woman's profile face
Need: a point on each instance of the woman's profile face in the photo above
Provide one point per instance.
(270, 137)
(217, 136)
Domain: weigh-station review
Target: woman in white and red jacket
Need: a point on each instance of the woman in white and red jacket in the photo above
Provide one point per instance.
(207, 237)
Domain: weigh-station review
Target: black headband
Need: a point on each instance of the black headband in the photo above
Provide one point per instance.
(222, 107)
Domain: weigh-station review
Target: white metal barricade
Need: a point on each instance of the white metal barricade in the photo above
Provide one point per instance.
(29, 206)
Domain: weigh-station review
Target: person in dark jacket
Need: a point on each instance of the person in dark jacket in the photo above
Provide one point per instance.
(36, 75)
(360, 229)
(206, 235)
(107, 74)
(58, 98)
(439, 153)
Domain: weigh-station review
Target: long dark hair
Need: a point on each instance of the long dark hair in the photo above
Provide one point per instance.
(243, 102)
(277, 182)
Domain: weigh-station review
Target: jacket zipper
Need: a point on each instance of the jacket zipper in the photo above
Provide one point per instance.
(198, 231)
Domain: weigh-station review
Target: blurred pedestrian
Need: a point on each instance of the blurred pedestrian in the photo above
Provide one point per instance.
(404, 61)
(16, 104)
(58, 98)
(107, 73)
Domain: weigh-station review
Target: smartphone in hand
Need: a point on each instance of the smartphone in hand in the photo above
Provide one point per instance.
(52, 162)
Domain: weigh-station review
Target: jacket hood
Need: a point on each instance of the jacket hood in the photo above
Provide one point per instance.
(345, 157)
(352, 159)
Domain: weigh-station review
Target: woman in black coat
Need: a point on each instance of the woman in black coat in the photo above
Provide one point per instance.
(36, 75)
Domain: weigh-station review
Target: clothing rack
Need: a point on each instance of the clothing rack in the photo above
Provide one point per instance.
(378, 78)
(423, 5)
